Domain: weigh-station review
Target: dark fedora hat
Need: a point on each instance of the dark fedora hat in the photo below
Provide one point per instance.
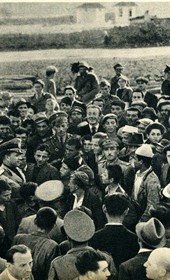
(135, 139)
(151, 233)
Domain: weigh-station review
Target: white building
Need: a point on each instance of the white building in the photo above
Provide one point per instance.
(91, 14)
(124, 11)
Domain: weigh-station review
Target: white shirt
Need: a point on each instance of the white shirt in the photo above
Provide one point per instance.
(77, 203)
(138, 180)
(96, 127)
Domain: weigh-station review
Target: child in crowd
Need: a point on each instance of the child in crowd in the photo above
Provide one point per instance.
(124, 92)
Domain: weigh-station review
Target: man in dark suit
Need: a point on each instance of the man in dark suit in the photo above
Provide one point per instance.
(93, 115)
(151, 235)
(115, 238)
(41, 171)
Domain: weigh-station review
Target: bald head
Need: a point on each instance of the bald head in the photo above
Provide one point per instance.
(158, 264)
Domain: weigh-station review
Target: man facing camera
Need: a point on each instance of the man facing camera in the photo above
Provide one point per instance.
(19, 264)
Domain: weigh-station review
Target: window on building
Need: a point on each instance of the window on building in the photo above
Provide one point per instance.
(120, 12)
(130, 13)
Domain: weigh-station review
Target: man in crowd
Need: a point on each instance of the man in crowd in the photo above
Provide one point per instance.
(20, 264)
(151, 235)
(92, 265)
(41, 171)
(115, 238)
(158, 264)
(146, 190)
(92, 126)
(44, 249)
(86, 83)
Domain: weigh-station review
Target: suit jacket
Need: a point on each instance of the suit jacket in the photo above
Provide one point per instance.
(85, 130)
(133, 269)
(92, 202)
(4, 276)
(118, 241)
(46, 173)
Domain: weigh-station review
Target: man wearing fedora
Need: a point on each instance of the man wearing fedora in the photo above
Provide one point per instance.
(158, 264)
(151, 235)
(79, 228)
(146, 189)
(86, 83)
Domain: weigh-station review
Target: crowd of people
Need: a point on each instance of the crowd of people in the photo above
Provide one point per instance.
(85, 180)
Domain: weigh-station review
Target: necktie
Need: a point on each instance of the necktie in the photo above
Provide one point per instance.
(93, 130)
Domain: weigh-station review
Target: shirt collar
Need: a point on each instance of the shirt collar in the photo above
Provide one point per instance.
(143, 250)
(114, 223)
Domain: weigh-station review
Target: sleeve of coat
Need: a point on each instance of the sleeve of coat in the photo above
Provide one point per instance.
(52, 273)
(152, 195)
(123, 273)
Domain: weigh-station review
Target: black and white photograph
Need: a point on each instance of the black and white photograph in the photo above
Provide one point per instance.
(84, 140)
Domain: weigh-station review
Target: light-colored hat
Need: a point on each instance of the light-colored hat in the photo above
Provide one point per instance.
(129, 129)
(152, 233)
(166, 191)
(145, 121)
(40, 117)
(78, 226)
(49, 190)
(145, 151)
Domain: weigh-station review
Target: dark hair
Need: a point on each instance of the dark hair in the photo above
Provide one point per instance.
(50, 70)
(86, 137)
(138, 90)
(46, 218)
(43, 147)
(28, 189)
(115, 172)
(116, 204)
(4, 186)
(21, 248)
(73, 141)
(34, 108)
(14, 113)
(104, 83)
(4, 120)
(75, 67)
(28, 122)
(20, 130)
(146, 160)
(88, 261)
(66, 100)
(135, 110)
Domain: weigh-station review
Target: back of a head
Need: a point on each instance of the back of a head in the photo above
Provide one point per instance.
(116, 204)
(88, 261)
(46, 218)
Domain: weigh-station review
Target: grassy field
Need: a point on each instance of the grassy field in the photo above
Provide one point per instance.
(151, 68)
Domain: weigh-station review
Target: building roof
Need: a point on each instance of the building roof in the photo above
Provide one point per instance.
(91, 6)
(127, 4)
